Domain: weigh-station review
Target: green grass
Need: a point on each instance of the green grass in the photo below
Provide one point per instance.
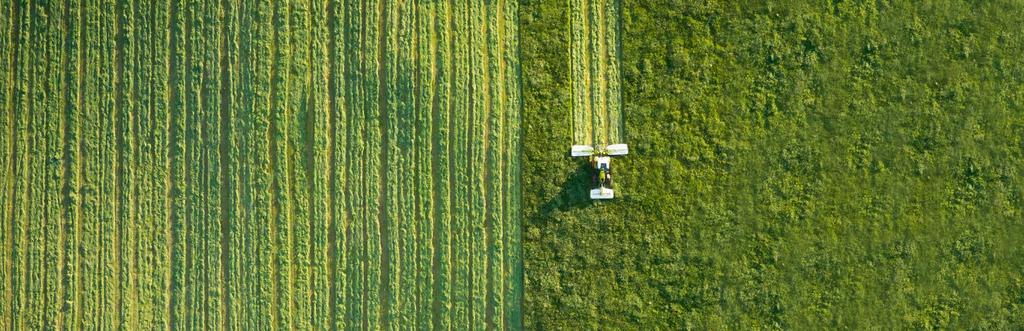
(255, 165)
(793, 165)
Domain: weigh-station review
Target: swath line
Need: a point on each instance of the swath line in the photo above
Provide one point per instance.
(79, 283)
(18, 299)
(121, 115)
(13, 145)
(364, 183)
(310, 139)
(332, 112)
(170, 185)
(488, 171)
(289, 171)
(274, 187)
(451, 163)
(135, 204)
(435, 162)
(383, 223)
(225, 170)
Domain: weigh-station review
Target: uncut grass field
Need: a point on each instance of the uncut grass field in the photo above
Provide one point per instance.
(256, 165)
(793, 165)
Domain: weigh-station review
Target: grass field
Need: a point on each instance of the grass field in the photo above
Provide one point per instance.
(793, 165)
(370, 164)
(259, 165)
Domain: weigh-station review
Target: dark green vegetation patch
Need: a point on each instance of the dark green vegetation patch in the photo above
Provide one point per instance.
(793, 165)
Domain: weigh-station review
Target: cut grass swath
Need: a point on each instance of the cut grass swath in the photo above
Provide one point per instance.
(595, 71)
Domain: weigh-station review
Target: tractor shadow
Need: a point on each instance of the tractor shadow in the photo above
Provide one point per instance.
(575, 192)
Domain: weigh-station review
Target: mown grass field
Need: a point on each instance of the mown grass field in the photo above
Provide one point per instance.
(793, 165)
(595, 71)
(257, 165)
